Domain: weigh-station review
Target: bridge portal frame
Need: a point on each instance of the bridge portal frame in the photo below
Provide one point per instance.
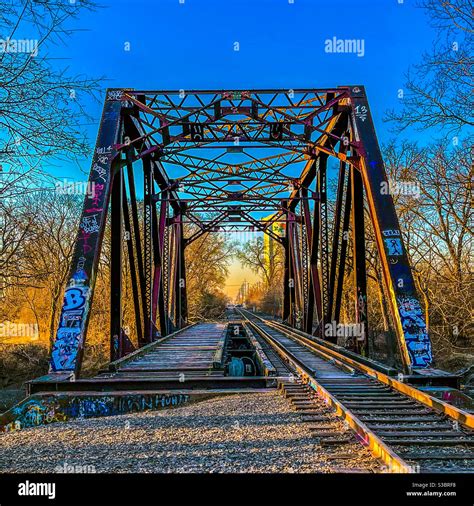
(153, 127)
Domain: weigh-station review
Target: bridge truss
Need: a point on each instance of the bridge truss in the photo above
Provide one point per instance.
(208, 161)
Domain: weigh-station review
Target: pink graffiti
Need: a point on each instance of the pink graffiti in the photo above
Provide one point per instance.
(86, 248)
(98, 190)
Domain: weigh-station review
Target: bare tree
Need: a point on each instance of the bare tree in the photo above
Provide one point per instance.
(266, 262)
(438, 91)
(41, 105)
(41, 118)
(436, 219)
(207, 262)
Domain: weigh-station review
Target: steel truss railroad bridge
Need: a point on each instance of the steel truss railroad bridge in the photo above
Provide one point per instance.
(198, 157)
(213, 159)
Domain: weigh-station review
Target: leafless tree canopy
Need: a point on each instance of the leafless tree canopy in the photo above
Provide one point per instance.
(41, 103)
(438, 91)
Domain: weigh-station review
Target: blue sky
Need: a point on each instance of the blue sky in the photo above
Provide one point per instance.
(188, 45)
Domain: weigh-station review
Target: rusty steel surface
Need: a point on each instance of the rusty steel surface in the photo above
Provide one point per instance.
(241, 160)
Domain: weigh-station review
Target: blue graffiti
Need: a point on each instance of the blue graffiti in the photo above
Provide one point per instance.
(74, 298)
(414, 330)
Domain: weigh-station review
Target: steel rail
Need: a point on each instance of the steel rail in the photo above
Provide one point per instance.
(368, 404)
(463, 417)
(394, 462)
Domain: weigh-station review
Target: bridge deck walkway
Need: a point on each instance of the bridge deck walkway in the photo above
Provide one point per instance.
(195, 351)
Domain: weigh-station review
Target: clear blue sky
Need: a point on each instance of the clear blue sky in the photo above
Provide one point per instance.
(189, 45)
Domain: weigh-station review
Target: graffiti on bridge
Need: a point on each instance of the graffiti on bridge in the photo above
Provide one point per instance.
(75, 310)
(414, 329)
(34, 412)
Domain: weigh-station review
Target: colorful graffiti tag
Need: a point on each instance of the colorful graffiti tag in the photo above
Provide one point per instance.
(76, 305)
(34, 412)
(393, 243)
(76, 301)
(56, 408)
(414, 329)
(417, 342)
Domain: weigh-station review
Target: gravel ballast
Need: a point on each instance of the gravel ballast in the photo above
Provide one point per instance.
(251, 433)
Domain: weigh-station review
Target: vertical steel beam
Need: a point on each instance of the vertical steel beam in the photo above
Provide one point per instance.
(180, 299)
(158, 299)
(138, 244)
(68, 347)
(148, 232)
(116, 240)
(314, 286)
(305, 260)
(171, 288)
(358, 258)
(297, 274)
(156, 270)
(413, 339)
(287, 282)
(165, 276)
(132, 265)
(291, 269)
(324, 235)
(342, 257)
(336, 238)
(183, 287)
(306, 223)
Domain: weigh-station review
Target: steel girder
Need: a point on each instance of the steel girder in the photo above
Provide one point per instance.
(200, 153)
(68, 347)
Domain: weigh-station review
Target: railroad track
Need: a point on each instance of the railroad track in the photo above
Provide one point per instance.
(319, 419)
(405, 427)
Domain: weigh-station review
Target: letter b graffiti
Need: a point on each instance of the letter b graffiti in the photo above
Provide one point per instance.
(73, 299)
